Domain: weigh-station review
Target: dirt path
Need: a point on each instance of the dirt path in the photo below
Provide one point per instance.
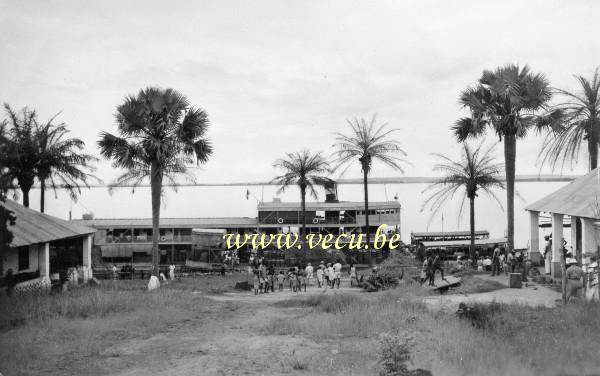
(232, 341)
(286, 294)
(531, 294)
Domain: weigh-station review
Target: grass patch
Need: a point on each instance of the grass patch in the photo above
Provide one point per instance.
(73, 330)
(510, 340)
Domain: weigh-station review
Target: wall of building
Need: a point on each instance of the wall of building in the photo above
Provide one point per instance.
(11, 260)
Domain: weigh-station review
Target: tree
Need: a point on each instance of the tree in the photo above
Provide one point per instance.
(508, 100)
(305, 170)
(475, 172)
(160, 134)
(61, 160)
(7, 217)
(20, 150)
(367, 143)
(580, 122)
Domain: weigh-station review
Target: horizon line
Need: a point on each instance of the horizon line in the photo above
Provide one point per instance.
(353, 181)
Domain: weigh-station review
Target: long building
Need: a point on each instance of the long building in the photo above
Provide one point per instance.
(130, 239)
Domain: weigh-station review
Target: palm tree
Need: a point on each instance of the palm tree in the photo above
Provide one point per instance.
(7, 217)
(305, 170)
(580, 120)
(475, 172)
(160, 134)
(61, 160)
(508, 101)
(365, 144)
(20, 150)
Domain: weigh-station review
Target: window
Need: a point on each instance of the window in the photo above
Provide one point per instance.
(23, 258)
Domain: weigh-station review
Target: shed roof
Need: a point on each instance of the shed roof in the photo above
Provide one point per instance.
(579, 198)
(222, 222)
(33, 227)
(463, 243)
(342, 205)
(449, 233)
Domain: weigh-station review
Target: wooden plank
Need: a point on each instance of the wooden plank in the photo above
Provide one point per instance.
(441, 284)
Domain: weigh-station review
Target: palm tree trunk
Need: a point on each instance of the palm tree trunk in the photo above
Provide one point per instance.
(155, 188)
(593, 145)
(303, 232)
(472, 223)
(25, 192)
(42, 194)
(510, 151)
(366, 187)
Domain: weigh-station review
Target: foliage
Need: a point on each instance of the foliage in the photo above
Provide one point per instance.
(61, 160)
(475, 172)
(367, 143)
(305, 170)
(579, 117)
(20, 148)
(159, 135)
(508, 101)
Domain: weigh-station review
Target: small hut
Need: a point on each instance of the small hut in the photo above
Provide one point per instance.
(578, 201)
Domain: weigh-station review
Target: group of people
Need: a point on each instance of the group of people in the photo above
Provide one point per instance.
(431, 264)
(298, 278)
(500, 261)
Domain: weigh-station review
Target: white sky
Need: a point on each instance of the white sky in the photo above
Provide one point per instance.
(277, 76)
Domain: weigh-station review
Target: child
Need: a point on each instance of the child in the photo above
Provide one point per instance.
(320, 276)
(290, 277)
(256, 283)
(295, 282)
(280, 279)
(303, 280)
(330, 275)
(353, 277)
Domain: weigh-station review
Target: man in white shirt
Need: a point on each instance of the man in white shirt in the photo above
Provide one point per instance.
(309, 273)
(337, 273)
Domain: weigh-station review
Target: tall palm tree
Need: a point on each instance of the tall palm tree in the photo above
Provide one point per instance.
(21, 151)
(367, 143)
(160, 134)
(7, 217)
(475, 172)
(508, 100)
(61, 162)
(305, 170)
(580, 120)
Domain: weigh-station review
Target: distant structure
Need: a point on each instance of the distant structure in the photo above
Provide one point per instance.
(129, 241)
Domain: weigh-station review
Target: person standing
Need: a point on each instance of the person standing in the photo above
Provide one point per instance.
(171, 272)
(437, 265)
(353, 276)
(548, 254)
(280, 279)
(320, 276)
(496, 261)
(309, 273)
(574, 280)
(337, 274)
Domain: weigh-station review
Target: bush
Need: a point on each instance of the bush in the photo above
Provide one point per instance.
(395, 355)
(480, 315)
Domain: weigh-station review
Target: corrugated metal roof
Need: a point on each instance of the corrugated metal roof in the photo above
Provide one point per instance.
(222, 222)
(580, 198)
(33, 227)
(449, 233)
(342, 205)
(463, 243)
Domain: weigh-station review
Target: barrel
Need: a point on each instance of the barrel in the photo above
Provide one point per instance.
(515, 280)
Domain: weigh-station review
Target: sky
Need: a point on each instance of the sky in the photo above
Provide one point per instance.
(280, 76)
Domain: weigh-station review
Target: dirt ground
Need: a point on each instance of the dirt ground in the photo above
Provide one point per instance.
(231, 343)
